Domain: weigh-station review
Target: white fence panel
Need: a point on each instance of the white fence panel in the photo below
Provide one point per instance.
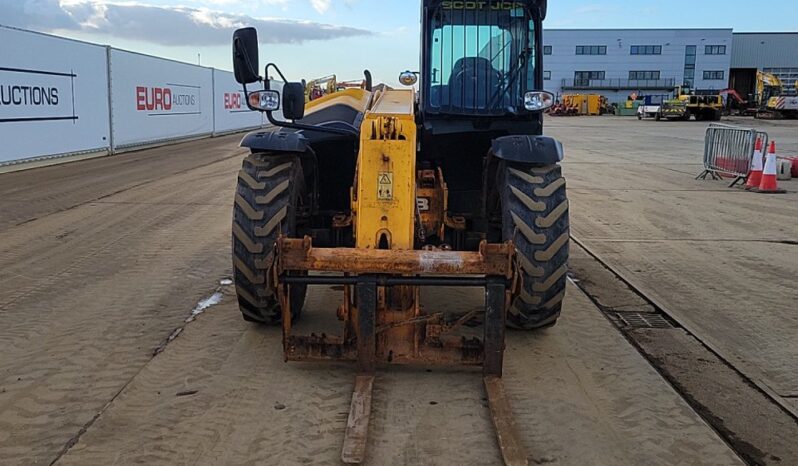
(53, 96)
(230, 107)
(155, 100)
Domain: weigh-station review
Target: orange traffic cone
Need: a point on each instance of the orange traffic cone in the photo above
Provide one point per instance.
(769, 182)
(755, 175)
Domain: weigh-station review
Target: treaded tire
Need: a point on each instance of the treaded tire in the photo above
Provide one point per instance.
(270, 188)
(535, 218)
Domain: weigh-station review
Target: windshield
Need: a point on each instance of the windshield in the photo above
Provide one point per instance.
(481, 59)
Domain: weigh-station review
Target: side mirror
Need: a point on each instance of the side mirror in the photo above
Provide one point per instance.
(408, 78)
(245, 55)
(293, 101)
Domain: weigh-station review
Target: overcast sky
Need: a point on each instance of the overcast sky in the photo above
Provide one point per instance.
(310, 38)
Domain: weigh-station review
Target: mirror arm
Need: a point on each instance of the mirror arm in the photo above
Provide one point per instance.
(276, 68)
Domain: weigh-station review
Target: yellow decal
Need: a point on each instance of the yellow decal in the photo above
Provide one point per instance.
(385, 186)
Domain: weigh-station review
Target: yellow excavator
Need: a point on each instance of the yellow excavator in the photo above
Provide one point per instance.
(771, 101)
(381, 192)
(319, 87)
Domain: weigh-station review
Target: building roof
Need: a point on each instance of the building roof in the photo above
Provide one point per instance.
(765, 50)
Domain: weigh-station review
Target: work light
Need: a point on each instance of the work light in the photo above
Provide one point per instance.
(536, 101)
(267, 101)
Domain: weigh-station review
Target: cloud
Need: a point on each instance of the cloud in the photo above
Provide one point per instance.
(165, 25)
(321, 6)
(35, 14)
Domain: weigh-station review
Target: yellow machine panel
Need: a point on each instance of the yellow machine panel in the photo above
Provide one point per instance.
(355, 98)
(384, 196)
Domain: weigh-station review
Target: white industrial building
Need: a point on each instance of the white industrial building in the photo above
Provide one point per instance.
(618, 62)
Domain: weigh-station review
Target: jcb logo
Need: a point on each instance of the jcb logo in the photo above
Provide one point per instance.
(465, 5)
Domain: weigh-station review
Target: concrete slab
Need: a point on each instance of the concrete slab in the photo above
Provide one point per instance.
(703, 285)
(581, 395)
(587, 397)
(723, 261)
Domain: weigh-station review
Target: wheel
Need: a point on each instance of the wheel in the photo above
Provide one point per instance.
(639, 116)
(535, 218)
(658, 117)
(270, 188)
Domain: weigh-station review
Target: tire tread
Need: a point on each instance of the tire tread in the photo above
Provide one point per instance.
(267, 193)
(535, 213)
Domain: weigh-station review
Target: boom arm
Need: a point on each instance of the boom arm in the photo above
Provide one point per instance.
(767, 82)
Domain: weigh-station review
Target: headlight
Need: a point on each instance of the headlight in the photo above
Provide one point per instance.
(267, 101)
(537, 101)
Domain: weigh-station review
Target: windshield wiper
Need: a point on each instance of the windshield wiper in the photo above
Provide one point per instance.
(521, 64)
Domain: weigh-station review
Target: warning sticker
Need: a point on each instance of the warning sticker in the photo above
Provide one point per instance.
(385, 186)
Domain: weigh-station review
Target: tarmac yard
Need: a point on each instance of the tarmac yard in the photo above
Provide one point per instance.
(678, 342)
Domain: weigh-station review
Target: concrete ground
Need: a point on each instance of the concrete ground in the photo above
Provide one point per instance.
(722, 261)
(102, 262)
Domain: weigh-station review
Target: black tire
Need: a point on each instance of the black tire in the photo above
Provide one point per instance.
(535, 218)
(270, 188)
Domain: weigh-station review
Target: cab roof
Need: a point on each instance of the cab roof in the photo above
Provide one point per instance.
(539, 5)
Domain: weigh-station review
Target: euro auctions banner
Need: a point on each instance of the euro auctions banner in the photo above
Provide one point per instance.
(231, 112)
(153, 99)
(53, 96)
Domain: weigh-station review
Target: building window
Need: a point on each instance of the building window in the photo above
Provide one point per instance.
(689, 65)
(591, 50)
(583, 78)
(547, 75)
(547, 50)
(644, 75)
(646, 50)
(715, 50)
(714, 75)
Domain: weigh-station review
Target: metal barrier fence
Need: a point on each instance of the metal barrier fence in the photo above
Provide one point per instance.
(729, 150)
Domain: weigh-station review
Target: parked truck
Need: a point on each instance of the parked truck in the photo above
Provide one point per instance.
(686, 103)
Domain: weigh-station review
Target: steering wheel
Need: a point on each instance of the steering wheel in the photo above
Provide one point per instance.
(471, 76)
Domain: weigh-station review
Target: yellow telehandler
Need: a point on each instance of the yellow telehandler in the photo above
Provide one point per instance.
(382, 192)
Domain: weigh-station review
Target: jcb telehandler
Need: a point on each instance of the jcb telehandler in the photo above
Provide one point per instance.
(383, 192)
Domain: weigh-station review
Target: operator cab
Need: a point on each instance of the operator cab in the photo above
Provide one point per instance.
(481, 58)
